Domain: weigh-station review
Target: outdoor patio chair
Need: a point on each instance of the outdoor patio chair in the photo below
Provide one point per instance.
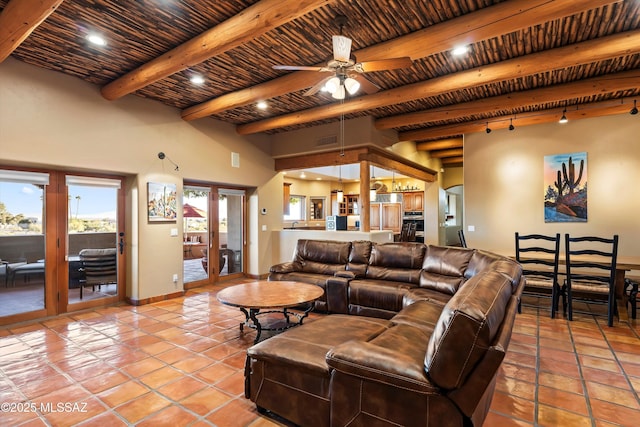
(99, 266)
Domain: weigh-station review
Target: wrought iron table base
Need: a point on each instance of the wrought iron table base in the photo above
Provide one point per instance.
(251, 320)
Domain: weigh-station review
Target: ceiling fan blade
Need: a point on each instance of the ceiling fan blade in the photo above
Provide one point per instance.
(316, 87)
(366, 85)
(383, 64)
(297, 68)
(341, 48)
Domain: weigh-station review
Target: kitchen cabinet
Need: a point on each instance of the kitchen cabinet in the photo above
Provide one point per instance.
(386, 216)
(349, 206)
(413, 201)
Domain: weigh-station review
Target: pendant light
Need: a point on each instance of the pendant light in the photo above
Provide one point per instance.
(394, 196)
(372, 191)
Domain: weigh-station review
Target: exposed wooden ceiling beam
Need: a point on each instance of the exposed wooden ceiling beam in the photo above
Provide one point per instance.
(252, 22)
(440, 154)
(452, 161)
(600, 49)
(376, 156)
(19, 18)
(589, 87)
(597, 109)
(442, 144)
(503, 18)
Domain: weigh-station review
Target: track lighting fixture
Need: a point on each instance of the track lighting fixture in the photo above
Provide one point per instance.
(563, 119)
(634, 110)
(511, 126)
(488, 130)
(163, 156)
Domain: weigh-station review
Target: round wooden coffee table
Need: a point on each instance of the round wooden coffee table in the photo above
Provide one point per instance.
(277, 296)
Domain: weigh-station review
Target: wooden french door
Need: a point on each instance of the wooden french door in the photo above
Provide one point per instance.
(42, 229)
(214, 233)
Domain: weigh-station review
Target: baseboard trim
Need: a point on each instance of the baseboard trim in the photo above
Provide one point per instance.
(158, 298)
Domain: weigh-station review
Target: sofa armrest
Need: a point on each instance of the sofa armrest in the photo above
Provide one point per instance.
(337, 293)
(285, 267)
(371, 362)
(346, 274)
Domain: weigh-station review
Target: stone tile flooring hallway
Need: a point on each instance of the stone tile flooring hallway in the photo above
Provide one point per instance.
(180, 363)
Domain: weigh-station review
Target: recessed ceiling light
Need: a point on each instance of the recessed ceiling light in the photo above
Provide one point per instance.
(460, 50)
(302, 175)
(262, 105)
(96, 39)
(197, 79)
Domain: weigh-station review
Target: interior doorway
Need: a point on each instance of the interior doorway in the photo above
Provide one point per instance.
(454, 214)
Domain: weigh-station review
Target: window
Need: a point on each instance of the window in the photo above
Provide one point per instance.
(297, 208)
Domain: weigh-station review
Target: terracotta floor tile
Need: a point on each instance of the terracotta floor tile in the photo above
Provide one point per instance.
(598, 363)
(142, 407)
(180, 389)
(205, 401)
(233, 384)
(173, 416)
(514, 406)
(214, 373)
(558, 367)
(142, 367)
(160, 377)
(624, 397)
(70, 412)
(502, 420)
(193, 363)
(550, 416)
(174, 355)
(561, 382)
(105, 419)
(235, 413)
(613, 413)
(561, 399)
(104, 382)
(122, 393)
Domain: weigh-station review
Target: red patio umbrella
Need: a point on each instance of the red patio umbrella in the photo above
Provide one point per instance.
(190, 211)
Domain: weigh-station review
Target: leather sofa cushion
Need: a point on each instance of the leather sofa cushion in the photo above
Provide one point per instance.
(382, 294)
(422, 314)
(443, 268)
(466, 328)
(426, 294)
(359, 257)
(322, 256)
(306, 347)
(401, 262)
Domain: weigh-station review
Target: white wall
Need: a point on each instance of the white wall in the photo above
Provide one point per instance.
(48, 119)
(504, 189)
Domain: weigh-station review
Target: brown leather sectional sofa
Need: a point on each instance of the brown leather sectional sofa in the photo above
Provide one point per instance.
(415, 336)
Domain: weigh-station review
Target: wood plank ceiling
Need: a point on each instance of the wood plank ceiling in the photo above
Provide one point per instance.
(529, 61)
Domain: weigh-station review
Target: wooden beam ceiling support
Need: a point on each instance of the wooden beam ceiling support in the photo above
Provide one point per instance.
(442, 144)
(490, 22)
(604, 48)
(330, 158)
(255, 20)
(583, 88)
(604, 108)
(19, 18)
(440, 154)
(399, 164)
(374, 155)
(457, 161)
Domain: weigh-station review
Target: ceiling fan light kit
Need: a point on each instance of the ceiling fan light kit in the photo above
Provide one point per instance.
(341, 48)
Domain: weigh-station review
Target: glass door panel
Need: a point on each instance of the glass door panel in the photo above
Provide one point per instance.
(196, 245)
(231, 230)
(22, 242)
(93, 241)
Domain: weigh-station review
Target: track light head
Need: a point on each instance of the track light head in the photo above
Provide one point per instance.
(511, 126)
(634, 110)
(488, 130)
(563, 119)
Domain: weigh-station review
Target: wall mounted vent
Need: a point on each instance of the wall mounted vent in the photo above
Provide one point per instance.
(327, 140)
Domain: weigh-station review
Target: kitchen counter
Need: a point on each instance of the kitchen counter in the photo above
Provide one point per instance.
(289, 238)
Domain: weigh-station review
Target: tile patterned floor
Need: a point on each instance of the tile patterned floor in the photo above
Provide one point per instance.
(180, 363)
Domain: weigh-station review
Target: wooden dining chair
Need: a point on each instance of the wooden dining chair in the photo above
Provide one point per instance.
(591, 272)
(539, 257)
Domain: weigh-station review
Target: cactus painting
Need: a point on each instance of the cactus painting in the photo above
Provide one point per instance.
(565, 183)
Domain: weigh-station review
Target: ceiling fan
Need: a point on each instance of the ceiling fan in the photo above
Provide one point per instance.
(346, 72)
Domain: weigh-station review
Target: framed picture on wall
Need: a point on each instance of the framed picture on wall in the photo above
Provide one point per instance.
(161, 202)
(565, 181)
